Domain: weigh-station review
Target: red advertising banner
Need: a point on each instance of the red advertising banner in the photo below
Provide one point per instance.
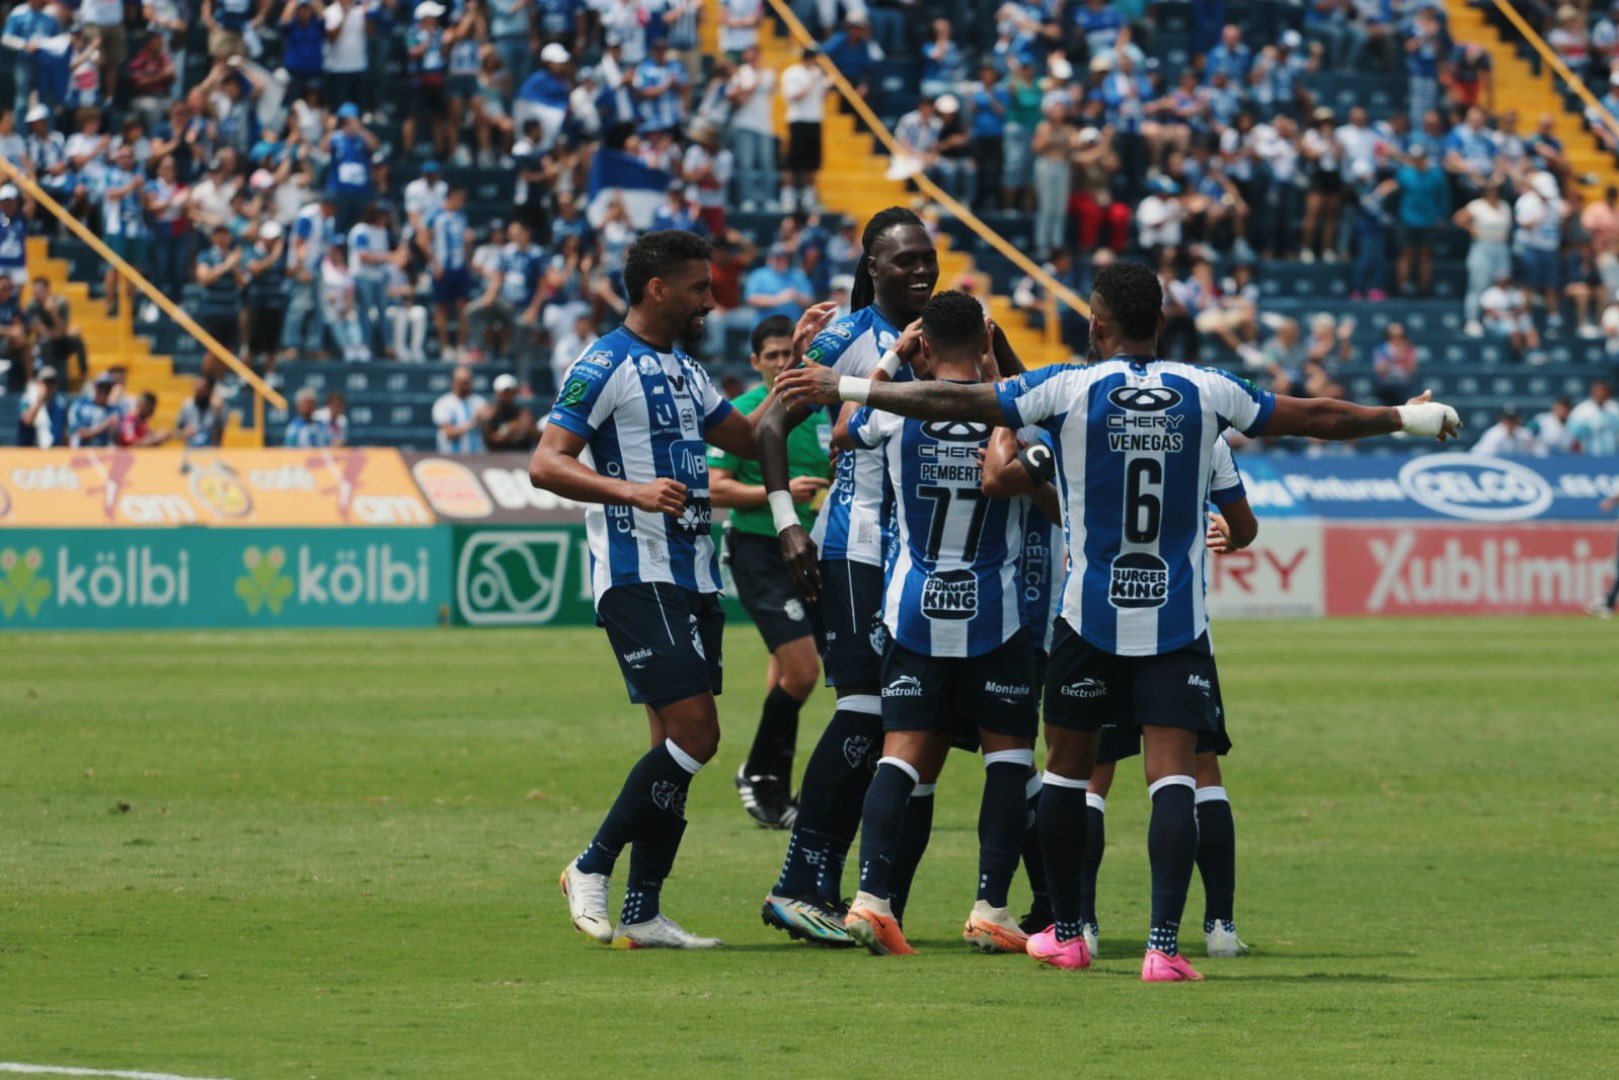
(1281, 574)
(1466, 569)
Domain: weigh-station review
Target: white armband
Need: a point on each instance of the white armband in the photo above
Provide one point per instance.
(854, 389)
(890, 363)
(782, 512)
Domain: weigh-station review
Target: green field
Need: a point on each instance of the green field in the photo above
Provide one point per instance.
(334, 855)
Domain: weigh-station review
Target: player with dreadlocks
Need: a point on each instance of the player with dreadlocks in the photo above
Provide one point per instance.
(893, 280)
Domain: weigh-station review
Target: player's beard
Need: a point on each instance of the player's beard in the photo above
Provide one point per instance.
(692, 333)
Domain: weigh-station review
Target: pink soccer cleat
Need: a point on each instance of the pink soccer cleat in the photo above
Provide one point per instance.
(1159, 966)
(1070, 955)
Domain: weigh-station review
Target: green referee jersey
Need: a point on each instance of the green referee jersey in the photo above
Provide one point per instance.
(808, 454)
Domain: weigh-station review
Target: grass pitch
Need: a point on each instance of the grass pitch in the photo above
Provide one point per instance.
(334, 855)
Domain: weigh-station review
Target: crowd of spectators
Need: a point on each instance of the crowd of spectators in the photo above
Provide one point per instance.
(305, 171)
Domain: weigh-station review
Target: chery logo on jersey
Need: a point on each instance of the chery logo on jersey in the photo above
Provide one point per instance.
(1476, 487)
(950, 594)
(955, 430)
(1145, 398)
(1139, 580)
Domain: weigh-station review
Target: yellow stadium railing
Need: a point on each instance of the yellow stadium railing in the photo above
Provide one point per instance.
(1053, 287)
(263, 390)
(1555, 62)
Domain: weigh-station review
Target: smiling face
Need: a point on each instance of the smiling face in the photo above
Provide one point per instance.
(904, 267)
(683, 297)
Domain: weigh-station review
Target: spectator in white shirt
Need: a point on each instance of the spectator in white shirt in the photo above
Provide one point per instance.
(751, 92)
(1509, 437)
(1551, 427)
(457, 415)
(1594, 423)
(1505, 312)
(804, 86)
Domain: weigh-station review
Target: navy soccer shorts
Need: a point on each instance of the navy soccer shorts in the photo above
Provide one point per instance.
(667, 640)
(851, 608)
(1088, 689)
(959, 695)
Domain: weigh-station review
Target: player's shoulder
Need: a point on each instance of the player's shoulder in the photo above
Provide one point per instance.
(842, 334)
(1208, 377)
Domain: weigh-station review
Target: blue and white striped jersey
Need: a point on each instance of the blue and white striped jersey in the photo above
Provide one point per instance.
(1133, 442)
(1040, 564)
(950, 587)
(643, 413)
(1225, 479)
(850, 525)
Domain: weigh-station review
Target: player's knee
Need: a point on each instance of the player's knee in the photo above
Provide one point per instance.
(798, 676)
(1206, 768)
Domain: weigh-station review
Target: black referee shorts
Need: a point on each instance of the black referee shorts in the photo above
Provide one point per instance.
(768, 594)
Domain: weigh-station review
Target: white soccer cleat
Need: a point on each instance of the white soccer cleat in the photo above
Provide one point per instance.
(1222, 943)
(660, 932)
(587, 902)
(1092, 934)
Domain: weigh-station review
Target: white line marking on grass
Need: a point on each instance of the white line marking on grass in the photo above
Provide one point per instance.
(71, 1070)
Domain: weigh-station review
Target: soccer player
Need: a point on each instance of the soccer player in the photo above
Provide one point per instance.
(1132, 435)
(896, 274)
(789, 625)
(627, 435)
(1232, 527)
(957, 661)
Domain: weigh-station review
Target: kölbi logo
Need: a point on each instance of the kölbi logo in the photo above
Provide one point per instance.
(348, 577)
(1476, 487)
(111, 578)
(504, 578)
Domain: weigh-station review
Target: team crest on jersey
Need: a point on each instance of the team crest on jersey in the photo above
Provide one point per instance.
(878, 638)
(666, 795)
(955, 431)
(1138, 579)
(793, 609)
(648, 365)
(951, 595)
(1145, 398)
(856, 748)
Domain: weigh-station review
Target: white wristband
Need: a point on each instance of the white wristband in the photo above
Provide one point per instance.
(782, 511)
(853, 389)
(1426, 419)
(890, 363)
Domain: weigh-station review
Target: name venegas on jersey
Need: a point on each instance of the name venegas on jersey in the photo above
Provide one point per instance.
(1145, 427)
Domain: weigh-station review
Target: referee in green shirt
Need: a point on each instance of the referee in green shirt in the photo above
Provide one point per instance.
(790, 625)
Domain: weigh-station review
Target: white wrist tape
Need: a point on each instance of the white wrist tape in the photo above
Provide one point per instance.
(782, 511)
(853, 389)
(890, 363)
(1427, 419)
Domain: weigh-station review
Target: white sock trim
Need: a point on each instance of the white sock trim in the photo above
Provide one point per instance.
(1185, 781)
(1024, 757)
(683, 759)
(1096, 802)
(1054, 780)
(1209, 794)
(903, 766)
(867, 704)
(1032, 788)
(924, 791)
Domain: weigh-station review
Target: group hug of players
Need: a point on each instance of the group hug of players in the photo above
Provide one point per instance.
(995, 546)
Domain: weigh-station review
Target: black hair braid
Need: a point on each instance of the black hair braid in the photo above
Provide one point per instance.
(864, 291)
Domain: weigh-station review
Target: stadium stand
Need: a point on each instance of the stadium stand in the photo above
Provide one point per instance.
(1174, 134)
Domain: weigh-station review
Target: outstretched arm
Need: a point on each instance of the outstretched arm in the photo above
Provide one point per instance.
(918, 400)
(1331, 419)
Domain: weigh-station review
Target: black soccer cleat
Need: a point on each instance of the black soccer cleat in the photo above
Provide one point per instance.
(767, 799)
(806, 919)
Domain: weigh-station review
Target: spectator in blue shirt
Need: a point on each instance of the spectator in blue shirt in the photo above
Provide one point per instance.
(303, 430)
(25, 27)
(303, 45)
(1470, 153)
(1425, 49)
(93, 419)
(852, 51)
(941, 62)
(1098, 23)
(990, 101)
(1424, 205)
(777, 288)
(1230, 57)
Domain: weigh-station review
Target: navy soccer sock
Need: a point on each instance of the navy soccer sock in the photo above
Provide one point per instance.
(1095, 845)
(661, 777)
(773, 743)
(914, 833)
(1034, 866)
(1002, 813)
(1216, 854)
(837, 770)
(884, 818)
(1062, 844)
(1171, 849)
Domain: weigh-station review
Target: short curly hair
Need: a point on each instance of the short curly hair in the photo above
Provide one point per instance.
(658, 253)
(953, 320)
(1133, 297)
